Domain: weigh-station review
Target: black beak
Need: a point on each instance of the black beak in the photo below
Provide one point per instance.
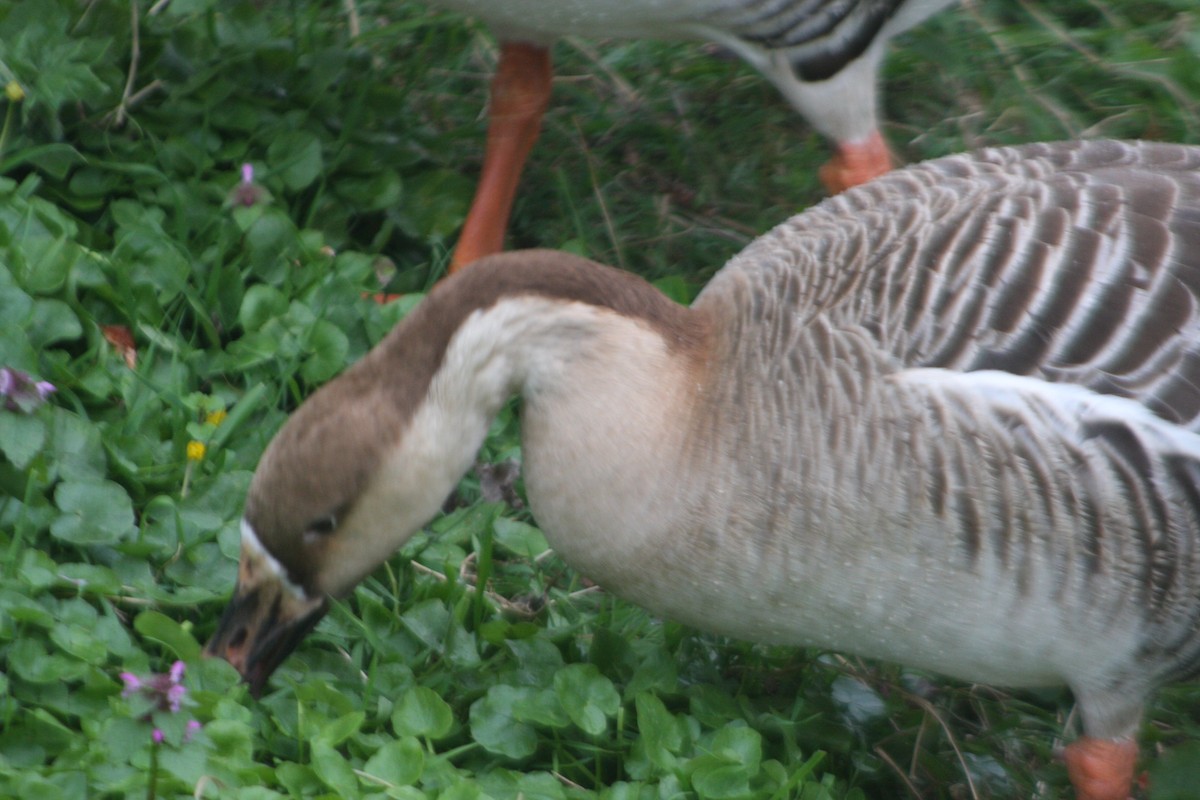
(261, 627)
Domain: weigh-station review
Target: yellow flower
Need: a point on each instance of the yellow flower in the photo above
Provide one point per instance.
(196, 450)
(14, 91)
(215, 418)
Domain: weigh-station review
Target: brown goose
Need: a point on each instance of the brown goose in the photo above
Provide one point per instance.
(822, 55)
(949, 419)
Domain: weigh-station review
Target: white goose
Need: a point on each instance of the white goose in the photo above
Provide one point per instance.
(822, 55)
(950, 418)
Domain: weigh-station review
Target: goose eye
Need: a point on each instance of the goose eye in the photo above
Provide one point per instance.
(320, 528)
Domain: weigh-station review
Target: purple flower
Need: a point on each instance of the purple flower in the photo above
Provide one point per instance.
(132, 684)
(20, 392)
(248, 193)
(175, 696)
(167, 690)
(165, 694)
(164, 689)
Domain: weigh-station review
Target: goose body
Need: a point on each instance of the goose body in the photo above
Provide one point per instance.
(822, 55)
(949, 419)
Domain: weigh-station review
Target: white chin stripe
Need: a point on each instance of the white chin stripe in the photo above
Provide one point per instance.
(252, 546)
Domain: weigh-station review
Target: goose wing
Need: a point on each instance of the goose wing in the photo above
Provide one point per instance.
(1073, 262)
(1048, 301)
(1089, 275)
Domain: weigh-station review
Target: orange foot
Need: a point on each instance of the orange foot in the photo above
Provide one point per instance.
(855, 163)
(1101, 769)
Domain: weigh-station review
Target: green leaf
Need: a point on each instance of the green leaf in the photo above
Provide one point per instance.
(376, 193)
(463, 790)
(93, 512)
(253, 349)
(715, 780)
(47, 263)
(397, 763)
(270, 242)
(540, 707)
(530, 786)
(15, 348)
(54, 159)
(28, 660)
(249, 403)
(328, 347)
(17, 607)
(75, 448)
(461, 649)
(52, 322)
(429, 622)
(733, 759)
(437, 203)
(89, 182)
(253, 792)
(589, 697)
(47, 730)
(260, 304)
(91, 578)
(15, 304)
(739, 744)
(295, 156)
(22, 436)
(1176, 774)
(81, 643)
(659, 733)
(115, 636)
(537, 661)
(38, 571)
(422, 712)
(187, 8)
(298, 779)
(334, 771)
(494, 726)
(339, 730)
(231, 739)
(520, 537)
(160, 628)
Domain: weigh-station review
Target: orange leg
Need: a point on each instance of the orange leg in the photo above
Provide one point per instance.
(1101, 769)
(520, 93)
(855, 163)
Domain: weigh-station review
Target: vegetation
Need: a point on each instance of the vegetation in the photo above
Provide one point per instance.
(181, 306)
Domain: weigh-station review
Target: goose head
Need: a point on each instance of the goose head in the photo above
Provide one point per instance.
(324, 503)
(370, 457)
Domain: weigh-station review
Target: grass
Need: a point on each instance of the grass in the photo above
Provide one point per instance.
(122, 222)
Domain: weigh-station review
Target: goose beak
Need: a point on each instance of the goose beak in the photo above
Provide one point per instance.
(264, 622)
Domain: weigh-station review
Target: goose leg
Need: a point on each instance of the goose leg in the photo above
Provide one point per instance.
(519, 95)
(1101, 769)
(855, 163)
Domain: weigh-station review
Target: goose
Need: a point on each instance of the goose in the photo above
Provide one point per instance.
(822, 55)
(950, 419)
